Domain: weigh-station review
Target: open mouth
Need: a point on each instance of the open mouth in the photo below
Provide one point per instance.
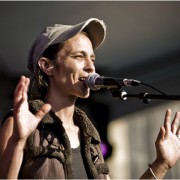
(83, 79)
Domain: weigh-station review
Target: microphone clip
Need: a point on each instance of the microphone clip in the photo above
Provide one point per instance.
(144, 97)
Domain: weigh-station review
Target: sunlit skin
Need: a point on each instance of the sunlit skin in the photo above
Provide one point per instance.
(74, 63)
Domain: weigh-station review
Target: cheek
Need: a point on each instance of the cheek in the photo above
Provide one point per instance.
(68, 67)
(74, 66)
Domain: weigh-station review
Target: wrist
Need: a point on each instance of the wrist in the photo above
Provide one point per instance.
(158, 169)
(17, 142)
(12, 158)
(162, 165)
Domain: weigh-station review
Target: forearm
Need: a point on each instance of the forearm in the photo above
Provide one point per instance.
(11, 160)
(158, 169)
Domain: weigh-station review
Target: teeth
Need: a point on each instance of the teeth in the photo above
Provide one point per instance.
(82, 79)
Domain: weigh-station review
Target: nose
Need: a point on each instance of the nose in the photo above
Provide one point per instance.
(89, 66)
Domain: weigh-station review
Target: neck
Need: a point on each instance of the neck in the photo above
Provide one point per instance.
(62, 106)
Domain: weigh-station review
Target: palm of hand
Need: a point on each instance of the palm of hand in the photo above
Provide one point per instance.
(169, 149)
(167, 143)
(24, 121)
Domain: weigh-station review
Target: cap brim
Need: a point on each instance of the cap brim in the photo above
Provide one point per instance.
(95, 29)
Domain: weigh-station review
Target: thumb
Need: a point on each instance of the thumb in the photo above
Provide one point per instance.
(43, 111)
(161, 135)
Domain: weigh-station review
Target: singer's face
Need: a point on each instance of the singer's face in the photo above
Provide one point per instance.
(74, 63)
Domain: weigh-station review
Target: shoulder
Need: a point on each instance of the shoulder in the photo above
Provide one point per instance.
(7, 126)
(7, 123)
(7, 115)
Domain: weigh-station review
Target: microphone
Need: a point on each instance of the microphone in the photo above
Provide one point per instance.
(95, 81)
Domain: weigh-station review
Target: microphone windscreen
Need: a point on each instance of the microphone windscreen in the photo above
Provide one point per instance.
(90, 81)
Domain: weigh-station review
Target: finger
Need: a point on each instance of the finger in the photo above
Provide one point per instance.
(17, 106)
(167, 123)
(161, 136)
(162, 133)
(26, 87)
(175, 123)
(19, 89)
(43, 111)
(18, 94)
(178, 131)
(21, 93)
(21, 80)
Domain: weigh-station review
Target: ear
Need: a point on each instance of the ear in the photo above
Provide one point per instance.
(46, 65)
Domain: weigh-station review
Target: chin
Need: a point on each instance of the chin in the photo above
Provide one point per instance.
(84, 95)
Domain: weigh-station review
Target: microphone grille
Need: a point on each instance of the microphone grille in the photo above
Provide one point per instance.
(90, 81)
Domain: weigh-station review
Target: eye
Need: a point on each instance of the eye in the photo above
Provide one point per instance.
(93, 60)
(78, 56)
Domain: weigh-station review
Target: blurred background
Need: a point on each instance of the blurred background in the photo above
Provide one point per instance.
(143, 43)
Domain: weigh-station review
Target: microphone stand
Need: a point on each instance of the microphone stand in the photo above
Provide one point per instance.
(145, 97)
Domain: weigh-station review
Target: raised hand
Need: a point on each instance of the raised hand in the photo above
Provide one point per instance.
(167, 148)
(24, 121)
(168, 142)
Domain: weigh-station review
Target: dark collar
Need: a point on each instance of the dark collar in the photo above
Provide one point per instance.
(80, 119)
